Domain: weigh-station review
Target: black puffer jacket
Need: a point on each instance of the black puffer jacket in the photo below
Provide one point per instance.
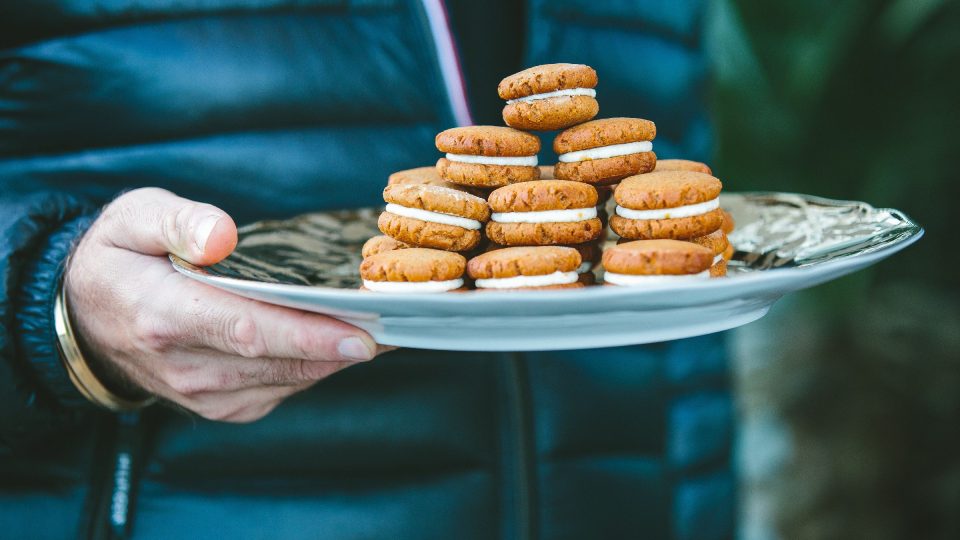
(250, 105)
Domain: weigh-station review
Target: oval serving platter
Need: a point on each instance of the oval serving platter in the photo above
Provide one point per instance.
(784, 242)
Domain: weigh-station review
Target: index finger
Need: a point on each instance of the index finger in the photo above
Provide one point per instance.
(209, 318)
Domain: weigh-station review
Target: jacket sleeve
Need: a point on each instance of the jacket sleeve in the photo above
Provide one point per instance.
(37, 231)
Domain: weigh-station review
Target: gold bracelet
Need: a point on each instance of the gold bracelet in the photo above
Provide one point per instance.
(77, 368)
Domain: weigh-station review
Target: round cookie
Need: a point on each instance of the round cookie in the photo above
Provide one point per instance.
(551, 96)
(381, 243)
(604, 151)
(428, 175)
(413, 270)
(590, 253)
(433, 216)
(545, 212)
(656, 262)
(717, 243)
(539, 267)
(487, 156)
(546, 172)
(682, 165)
(667, 204)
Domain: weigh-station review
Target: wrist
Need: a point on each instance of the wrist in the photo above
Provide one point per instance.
(91, 385)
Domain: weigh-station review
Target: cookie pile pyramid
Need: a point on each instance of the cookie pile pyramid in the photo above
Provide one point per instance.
(488, 215)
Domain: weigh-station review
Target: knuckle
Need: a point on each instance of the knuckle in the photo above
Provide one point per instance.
(244, 336)
(186, 383)
(130, 204)
(175, 224)
(152, 334)
(190, 381)
(305, 342)
(309, 344)
(116, 215)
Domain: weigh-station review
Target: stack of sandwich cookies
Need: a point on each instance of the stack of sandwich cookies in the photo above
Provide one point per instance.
(548, 97)
(656, 263)
(525, 268)
(696, 166)
(605, 151)
(546, 212)
(487, 156)
(667, 204)
(413, 270)
(433, 216)
(484, 197)
(718, 244)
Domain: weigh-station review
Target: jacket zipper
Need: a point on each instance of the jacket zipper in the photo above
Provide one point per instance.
(112, 495)
(519, 449)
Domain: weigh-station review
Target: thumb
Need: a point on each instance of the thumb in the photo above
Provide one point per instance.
(154, 221)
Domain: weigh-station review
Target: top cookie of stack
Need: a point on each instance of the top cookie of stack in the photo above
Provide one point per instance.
(548, 97)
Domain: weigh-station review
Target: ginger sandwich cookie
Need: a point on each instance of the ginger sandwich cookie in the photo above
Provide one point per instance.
(487, 156)
(545, 212)
(548, 97)
(656, 263)
(413, 270)
(668, 204)
(430, 216)
(526, 268)
(604, 151)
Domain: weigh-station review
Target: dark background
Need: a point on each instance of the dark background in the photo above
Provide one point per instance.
(850, 392)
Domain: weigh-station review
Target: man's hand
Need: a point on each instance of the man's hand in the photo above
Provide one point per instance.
(219, 355)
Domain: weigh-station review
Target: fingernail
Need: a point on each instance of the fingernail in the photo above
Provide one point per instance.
(204, 228)
(354, 348)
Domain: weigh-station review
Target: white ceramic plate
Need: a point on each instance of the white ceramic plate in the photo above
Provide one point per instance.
(784, 242)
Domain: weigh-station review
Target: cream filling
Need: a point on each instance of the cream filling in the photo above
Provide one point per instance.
(635, 280)
(523, 161)
(556, 93)
(603, 152)
(670, 213)
(717, 259)
(413, 286)
(433, 217)
(556, 278)
(546, 216)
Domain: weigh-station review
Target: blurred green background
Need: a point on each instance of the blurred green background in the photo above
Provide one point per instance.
(852, 412)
